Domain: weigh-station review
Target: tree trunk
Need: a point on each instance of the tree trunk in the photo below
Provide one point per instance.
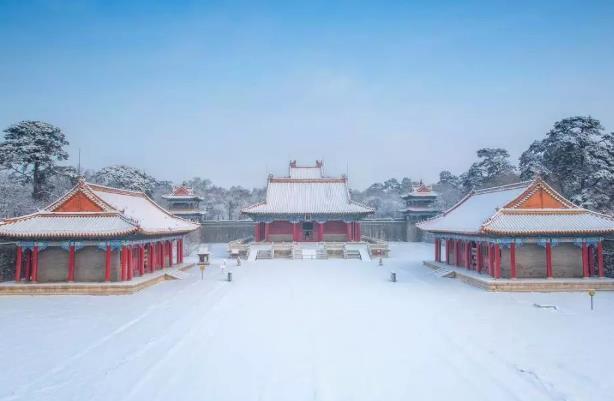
(37, 185)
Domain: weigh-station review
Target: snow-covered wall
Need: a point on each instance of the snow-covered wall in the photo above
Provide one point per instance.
(226, 230)
(385, 229)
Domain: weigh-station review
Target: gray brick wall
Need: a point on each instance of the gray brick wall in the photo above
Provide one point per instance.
(531, 261)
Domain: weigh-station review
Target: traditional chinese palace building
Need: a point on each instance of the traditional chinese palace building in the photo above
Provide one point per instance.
(307, 206)
(524, 230)
(182, 202)
(420, 205)
(94, 234)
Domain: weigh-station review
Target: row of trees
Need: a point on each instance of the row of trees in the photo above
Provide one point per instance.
(576, 157)
(31, 175)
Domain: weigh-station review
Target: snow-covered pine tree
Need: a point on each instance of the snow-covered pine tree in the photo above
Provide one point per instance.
(449, 189)
(31, 150)
(125, 177)
(493, 168)
(576, 156)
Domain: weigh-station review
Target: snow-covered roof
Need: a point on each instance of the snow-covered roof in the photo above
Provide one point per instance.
(152, 218)
(526, 208)
(549, 221)
(60, 225)
(307, 192)
(90, 210)
(182, 192)
(421, 191)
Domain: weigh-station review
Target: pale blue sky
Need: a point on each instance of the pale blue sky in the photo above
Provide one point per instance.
(227, 90)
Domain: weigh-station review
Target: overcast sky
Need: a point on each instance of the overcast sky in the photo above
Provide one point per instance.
(229, 91)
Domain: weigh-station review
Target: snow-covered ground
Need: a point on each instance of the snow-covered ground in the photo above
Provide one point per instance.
(309, 330)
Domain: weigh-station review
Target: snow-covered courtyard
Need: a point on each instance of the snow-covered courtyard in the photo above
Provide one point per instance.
(309, 330)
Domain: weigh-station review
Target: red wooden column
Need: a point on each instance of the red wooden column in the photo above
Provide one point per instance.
(455, 248)
(585, 272)
(497, 261)
(178, 250)
(123, 259)
(130, 263)
(18, 264)
(257, 232)
(71, 262)
(28, 257)
(107, 264)
(321, 232)
(142, 259)
(490, 260)
(548, 259)
(513, 260)
(267, 229)
(295, 232)
(348, 229)
(170, 253)
(151, 257)
(600, 259)
(591, 260)
(162, 254)
(478, 257)
(468, 255)
(167, 253)
(35, 263)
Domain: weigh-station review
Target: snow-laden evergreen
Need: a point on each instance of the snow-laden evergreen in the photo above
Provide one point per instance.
(125, 177)
(577, 156)
(30, 151)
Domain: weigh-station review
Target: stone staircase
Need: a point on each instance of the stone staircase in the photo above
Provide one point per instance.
(308, 252)
(356, 251)
(264, 254)
(351, 253)
(444, 272)
(176, 274)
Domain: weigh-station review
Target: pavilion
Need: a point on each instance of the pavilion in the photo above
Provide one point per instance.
(307, 206)
(95, 234)
(184, 203)
(523, 230)
(420, 205)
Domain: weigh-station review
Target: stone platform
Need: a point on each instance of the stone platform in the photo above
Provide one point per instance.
(524, 284)
(112, 288)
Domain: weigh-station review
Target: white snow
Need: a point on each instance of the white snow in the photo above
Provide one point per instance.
(309, 330)
(471, 213)
(151, 218)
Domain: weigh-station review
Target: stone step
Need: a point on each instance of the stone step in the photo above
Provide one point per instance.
(176, 274)
(444, 272)
(264, 254)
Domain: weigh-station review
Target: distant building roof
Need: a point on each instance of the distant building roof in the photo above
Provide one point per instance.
(526, 208)
(307, 191)
(421, 191)
(96, 211)
(182, 192)
(306, 172)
